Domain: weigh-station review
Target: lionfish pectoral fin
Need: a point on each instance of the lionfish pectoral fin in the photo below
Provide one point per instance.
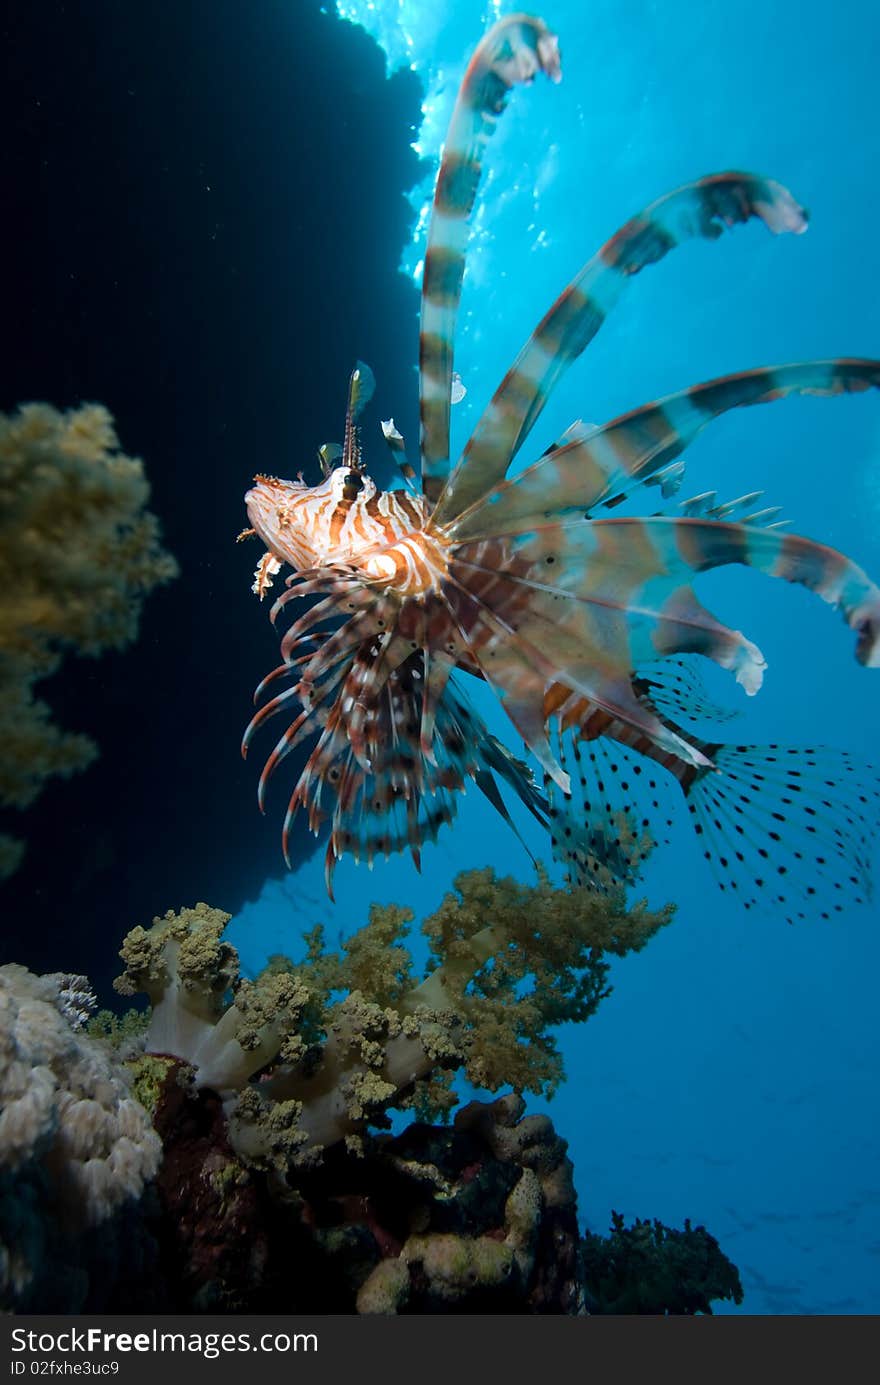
(435, 678)
(674, 688)
(576, 613)
(329, 454)
(787, 830)
(685, 626)
(516, 773)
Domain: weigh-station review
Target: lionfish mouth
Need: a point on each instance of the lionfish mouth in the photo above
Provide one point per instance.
(265, 507)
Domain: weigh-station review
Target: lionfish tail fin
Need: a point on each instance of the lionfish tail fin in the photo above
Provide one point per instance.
(786, 830)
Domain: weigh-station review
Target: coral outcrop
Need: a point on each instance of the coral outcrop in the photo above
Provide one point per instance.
(79, 551)
(476, 1216)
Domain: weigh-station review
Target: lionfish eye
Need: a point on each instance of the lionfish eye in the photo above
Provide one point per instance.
(351, 484)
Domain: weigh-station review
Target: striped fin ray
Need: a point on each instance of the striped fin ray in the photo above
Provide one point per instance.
(583, 605)
(620, 586)
(697, 545)
(700, 209)
(525, 644)
(606, 465)
(397, 447)
(597, 612)
(514, 50)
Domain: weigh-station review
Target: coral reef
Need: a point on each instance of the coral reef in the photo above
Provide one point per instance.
(339, 1039)
(75, 1148)
(498, 1230)
(479, 1216)
(227, 1150)
(78, 553)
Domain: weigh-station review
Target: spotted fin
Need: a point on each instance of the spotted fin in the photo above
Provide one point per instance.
(618, 808)
(784, 831)
(788, 831)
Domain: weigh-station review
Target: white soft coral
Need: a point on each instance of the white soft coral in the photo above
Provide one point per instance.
(74, 1145)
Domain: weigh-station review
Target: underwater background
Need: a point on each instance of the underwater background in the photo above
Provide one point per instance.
(217, 209)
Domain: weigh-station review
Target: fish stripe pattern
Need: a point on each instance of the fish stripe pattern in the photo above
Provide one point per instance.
(513, 51)
(586, 624)
(700, 209)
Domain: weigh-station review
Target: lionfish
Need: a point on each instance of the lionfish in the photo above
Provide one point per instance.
(583, 623)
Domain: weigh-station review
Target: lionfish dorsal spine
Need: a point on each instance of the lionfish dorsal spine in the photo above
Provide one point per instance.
(513, 51)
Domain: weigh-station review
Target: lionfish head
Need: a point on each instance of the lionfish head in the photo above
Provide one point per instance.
(304, 525)
(298, 523)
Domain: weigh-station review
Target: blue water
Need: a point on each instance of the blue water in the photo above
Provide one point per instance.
(731, 1077)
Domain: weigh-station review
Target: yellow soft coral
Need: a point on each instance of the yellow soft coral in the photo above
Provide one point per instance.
(313, 1053)
(78, 553)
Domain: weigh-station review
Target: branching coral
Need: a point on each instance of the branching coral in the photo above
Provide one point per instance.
(74, 1146)
(78, 553)
(339, 1039)
(652, 1268)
